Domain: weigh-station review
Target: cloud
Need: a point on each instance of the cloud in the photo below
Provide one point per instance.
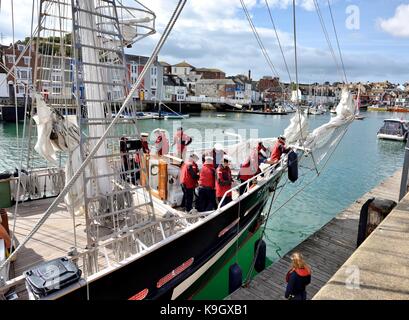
(215, 33)
(284, 4)
(397, 25)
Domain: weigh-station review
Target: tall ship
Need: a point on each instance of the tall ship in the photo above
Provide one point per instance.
(87, 229)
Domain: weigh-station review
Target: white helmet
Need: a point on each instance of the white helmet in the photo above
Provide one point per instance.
(208, 159)
(194, 156)
(227, 158)
(218, 147)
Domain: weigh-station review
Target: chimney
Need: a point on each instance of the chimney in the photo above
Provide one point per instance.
(250, 75)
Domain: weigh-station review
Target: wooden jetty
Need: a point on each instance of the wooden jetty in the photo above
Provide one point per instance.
(325, 251)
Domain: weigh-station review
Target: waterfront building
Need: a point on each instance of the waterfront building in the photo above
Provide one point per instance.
(24, 68)
(173, 88)
(210, 73)
(182, 69)
(152, 83)
(216, 88)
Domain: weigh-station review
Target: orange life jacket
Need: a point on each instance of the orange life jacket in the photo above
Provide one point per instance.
(223, 181)
(189, 174)
(207, 176)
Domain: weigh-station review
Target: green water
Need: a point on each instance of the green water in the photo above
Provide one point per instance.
(359, 164)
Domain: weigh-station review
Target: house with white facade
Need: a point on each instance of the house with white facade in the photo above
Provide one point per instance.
(182, 69)
(173, 88)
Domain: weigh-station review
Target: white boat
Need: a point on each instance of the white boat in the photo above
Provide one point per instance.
(318, 110)
(394, 129)
(177, 116)
(221, 115)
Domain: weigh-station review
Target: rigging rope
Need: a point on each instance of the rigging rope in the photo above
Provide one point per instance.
(278, 40)
(327, 37)
(336, 37)
(259, 41)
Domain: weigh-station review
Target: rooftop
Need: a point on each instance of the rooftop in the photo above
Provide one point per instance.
(183, 64)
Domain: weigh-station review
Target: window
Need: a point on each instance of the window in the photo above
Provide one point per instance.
(23, 74)
(20, 47)
(57, 90)
(56, 78)
(27, 60)
(21, 89)
(10, 59)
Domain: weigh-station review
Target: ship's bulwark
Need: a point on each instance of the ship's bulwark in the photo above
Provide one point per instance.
(201, 244)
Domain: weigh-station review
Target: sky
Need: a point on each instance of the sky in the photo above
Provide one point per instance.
(373, 37)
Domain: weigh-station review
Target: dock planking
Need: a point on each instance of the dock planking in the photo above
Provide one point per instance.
(325, 251)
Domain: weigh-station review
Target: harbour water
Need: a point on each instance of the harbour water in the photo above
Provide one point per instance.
(359, 163)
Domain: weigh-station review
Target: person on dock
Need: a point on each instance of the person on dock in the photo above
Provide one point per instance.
(224, 181)
(207, 196)
(248, 169)
(161, 143)
(181, 140)
(297, 278)
(189, 176)
(278, 150)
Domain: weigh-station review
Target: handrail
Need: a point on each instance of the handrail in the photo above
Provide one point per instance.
(270, 169)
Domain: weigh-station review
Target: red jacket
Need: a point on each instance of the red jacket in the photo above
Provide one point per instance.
(181, 140)
(145, 147)
(207, 176)
(250, 167)
(189, 174)
(223, 181)
(278, 150)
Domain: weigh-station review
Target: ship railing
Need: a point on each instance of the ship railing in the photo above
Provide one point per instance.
(265, 174)
(38, 184)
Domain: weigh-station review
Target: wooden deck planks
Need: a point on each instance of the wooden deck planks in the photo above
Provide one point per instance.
(325, 251)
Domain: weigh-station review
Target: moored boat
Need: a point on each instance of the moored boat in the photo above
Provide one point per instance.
(394, 129)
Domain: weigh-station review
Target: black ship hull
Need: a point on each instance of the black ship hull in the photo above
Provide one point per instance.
(172, 268)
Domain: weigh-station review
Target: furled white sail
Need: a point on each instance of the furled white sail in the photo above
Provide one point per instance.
(326, 136)
(298, 128)
(44, 122)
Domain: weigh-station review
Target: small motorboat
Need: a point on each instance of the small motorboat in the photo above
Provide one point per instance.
(221, 115)
(394, 129)
(176, 116)
(357, 117)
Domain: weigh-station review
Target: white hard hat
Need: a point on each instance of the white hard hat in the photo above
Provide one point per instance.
(227, 158)
(218, 147)
(209, 159)
(144, 134)
(194, 156)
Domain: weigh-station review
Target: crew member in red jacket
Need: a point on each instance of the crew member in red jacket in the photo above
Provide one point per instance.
(207, 196)
(181, 140)
(224, 181)
(248, 169)
(161, 143)
(189, 176)
(278, 150)
(145, 144)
